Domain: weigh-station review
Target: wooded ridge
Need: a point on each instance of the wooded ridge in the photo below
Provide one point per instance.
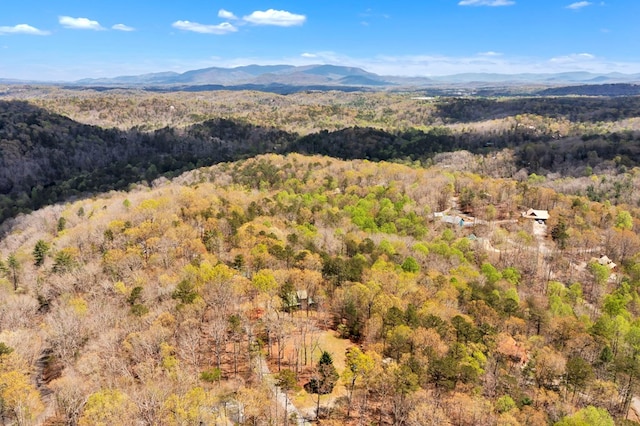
(46, 157)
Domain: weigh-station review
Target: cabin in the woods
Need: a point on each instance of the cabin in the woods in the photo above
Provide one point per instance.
(298, 299)
(455, 219)
(304, 302)
(605, 261)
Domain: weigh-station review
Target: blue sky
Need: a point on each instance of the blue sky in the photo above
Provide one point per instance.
(72, 39)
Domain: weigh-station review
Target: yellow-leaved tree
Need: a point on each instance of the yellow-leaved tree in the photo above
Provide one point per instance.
(20, 399)
(108, 407)
(194, 407)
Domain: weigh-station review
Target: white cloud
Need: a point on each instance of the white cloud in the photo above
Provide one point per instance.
(486, 2)
(579, 5)
(369, 13)
(490, 53)
(225, 14)
(23, 29)
(573, 58)
(309, 55)
(79, 23)
(122, 27)
(220, 29)
(280, 18)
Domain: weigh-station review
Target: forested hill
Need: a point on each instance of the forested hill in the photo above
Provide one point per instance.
(46, 157)
(169, 305)
(584, 110)
(621, 89)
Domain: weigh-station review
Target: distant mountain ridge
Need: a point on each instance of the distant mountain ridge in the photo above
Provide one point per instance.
(253, 74)
(336, 75)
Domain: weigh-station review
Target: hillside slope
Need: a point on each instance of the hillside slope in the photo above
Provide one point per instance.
(155, 305)
(45, 157)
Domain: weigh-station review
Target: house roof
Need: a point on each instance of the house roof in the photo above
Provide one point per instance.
(454, 220)
(537, 214)
(605, 261)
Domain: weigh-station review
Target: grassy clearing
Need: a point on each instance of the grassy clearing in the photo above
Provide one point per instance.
(327, 341)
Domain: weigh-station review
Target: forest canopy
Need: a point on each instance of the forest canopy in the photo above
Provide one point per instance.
(157, 304)
(366, 258)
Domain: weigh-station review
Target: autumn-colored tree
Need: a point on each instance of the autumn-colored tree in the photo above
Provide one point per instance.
(108, 407)
(20, 399)
(195, 406)
(586, 417)
(549, 367)
(71, 394)
(255, 405)
(358, 366)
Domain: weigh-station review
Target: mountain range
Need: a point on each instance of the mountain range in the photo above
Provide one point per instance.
(254, 75)
(321, 76)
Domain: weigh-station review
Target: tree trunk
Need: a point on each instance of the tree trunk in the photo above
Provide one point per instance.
(286, 409)
(235, 357)
(353, 385)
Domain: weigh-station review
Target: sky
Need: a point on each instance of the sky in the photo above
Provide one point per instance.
(66, 40)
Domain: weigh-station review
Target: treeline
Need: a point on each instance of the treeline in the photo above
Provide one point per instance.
(537, 150)
(617, 89)
(615, 150)
(571, 108)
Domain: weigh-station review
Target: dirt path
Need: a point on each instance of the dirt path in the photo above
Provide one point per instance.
(46, 395)
(634, 411)
(283, 400)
